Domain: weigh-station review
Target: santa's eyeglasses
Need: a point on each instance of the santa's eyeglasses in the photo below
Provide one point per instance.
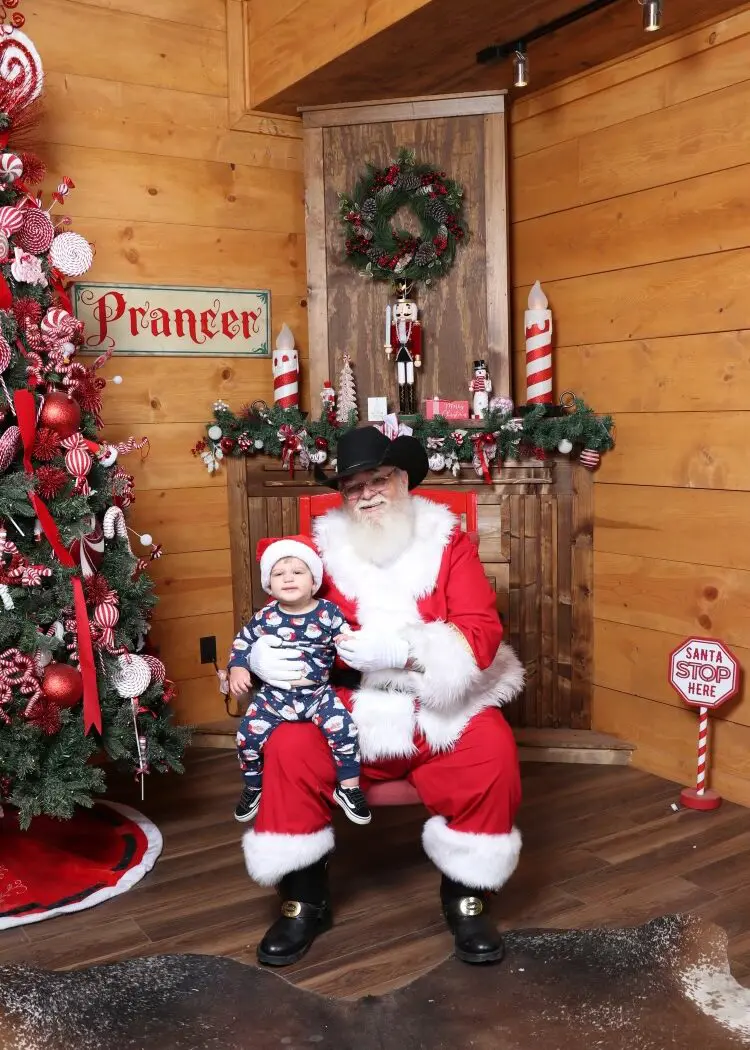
(354, 490)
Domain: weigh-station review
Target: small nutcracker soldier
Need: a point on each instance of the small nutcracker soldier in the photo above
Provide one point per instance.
(328, 401)
(481, 387)
(404, 340)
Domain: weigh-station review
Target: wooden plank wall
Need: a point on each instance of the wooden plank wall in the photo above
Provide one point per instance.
(137, 117)
(630, 202)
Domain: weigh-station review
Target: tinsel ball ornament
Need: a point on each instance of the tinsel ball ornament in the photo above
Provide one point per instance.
(436, 462)
(131, 677)
(565, 446)
(62, 684)
(61, 413)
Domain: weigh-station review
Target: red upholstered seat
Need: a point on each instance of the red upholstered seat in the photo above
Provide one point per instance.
(464, 506)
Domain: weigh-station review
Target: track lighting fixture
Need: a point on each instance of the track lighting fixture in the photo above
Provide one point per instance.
(651, 15)
(520, 67)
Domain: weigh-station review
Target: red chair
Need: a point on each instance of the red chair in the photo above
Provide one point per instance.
(464, 506)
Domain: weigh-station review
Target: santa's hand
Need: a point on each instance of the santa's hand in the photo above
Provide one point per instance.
(372, 651)
(275, 665)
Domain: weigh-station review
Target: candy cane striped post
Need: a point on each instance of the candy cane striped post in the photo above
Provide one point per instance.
(701, 797)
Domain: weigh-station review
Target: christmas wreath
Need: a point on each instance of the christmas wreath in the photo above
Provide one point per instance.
(380, 251)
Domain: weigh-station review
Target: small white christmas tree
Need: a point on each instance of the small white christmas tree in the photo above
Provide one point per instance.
(347, 395)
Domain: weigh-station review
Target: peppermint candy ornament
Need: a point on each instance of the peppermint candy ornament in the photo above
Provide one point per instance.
(89, 550)
(157, 668)
(78, 462)
(37, 233)
(132, 676)
(11, 167)
(71, 254)
(11, 220)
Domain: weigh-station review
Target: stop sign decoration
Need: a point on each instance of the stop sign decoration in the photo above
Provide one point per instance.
(704, 673)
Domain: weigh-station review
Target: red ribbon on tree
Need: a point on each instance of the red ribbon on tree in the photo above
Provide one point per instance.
(292, 444)
(92, 715)
(480, 441)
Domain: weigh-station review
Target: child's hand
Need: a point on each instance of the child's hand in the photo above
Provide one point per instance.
(240, 681)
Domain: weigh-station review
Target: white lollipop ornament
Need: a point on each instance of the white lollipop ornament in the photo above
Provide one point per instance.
(71, 254)
(132, 676)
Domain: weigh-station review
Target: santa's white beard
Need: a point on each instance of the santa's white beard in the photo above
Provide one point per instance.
(379, 536)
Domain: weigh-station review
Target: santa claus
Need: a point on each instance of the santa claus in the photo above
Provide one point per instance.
(424, 672)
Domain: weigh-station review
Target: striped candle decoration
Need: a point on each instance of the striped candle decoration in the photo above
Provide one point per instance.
(285, 370)
(537, 321)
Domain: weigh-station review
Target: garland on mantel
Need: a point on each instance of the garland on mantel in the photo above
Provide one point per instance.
(288, 434)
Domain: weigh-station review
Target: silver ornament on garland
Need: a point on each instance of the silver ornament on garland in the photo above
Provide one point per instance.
(436, 462)
(565, 446)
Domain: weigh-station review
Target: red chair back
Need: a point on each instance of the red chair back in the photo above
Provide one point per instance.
(462, 504)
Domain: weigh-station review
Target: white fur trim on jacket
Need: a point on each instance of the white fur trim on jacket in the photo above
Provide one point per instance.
(269, 857)
(386, 723)
(450, 670)
(482, 862)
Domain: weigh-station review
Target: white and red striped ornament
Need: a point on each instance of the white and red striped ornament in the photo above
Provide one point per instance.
(590, 458)
(37, 233)
(285, 366)
(8, 447)
(537, 321)
(11, 219)
(157, 668)
(71, 254)
(106, 618)
(89, 549)
(77, 462)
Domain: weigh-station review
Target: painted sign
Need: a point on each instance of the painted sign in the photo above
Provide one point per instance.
(178, 322)
(704, 672)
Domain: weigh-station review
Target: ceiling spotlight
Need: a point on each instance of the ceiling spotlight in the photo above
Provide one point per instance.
(520, 67)
(651, 15)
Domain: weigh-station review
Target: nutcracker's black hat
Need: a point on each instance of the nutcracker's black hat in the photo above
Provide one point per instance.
(366, 448)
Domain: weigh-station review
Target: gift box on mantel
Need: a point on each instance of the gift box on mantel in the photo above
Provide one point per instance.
(439, 406)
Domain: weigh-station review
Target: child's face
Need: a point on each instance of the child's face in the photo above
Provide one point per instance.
(291, 581)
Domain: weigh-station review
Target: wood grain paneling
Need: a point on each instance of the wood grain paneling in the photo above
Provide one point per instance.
(629, 204)
(168, 193)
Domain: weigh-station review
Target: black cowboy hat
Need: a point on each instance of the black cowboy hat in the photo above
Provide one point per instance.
(366, 448)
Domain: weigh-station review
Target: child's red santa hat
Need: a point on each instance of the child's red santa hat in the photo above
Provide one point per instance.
(270, 550)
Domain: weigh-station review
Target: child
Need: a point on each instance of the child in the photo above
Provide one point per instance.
(292, 572)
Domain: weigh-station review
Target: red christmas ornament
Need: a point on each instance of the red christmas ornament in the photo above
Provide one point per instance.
(45, 715)
(227, 444)
(6, 296)
(47, 444)
(50, 481)
(61, 413)
(62, 684)
(321, 443)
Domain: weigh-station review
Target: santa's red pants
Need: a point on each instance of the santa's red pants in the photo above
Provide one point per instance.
(473, 792)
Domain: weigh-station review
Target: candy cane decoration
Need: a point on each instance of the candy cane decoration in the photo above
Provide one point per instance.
(114, 523)
(19, 670)
(700, 785)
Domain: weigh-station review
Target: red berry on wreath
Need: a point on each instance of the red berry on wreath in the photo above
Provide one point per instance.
(227, 444)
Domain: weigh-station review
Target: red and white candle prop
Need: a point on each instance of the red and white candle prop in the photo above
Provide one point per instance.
(285, 370)
(537, 322)
(705, 674)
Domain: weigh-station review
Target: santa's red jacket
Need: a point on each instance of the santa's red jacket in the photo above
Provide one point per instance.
(437, 596)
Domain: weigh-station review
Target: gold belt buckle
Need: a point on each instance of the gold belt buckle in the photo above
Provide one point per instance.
(291, 909)
(470, 906)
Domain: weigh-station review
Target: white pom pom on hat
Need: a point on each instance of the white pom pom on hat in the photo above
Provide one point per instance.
(269, 551)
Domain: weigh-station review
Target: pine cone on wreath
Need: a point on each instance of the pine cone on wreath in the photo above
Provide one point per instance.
(436, 210)
(408, 181)
(369, 209)
(424, 254)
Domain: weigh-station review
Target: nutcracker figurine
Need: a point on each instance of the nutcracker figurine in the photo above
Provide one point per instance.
(481, 387)
(404, 340)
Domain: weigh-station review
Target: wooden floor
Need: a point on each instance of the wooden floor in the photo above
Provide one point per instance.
(601, 846)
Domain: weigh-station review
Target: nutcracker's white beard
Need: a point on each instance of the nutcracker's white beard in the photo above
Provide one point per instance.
(380, 535)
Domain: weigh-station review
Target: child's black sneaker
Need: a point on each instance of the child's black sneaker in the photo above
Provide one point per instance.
(353, 803)
(248, 804)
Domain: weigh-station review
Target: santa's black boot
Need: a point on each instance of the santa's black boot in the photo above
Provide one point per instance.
(477, 939)
(305, 912)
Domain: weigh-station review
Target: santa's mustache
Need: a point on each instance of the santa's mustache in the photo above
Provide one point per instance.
(368, 504)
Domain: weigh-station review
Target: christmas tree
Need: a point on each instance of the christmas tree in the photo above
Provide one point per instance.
(346, 404)
(75, 602)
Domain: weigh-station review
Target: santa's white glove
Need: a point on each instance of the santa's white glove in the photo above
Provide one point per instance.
(369, 650)
(274, 664)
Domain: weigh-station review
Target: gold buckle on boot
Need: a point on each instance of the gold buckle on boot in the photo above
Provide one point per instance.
(471, 906)
(291, 909)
